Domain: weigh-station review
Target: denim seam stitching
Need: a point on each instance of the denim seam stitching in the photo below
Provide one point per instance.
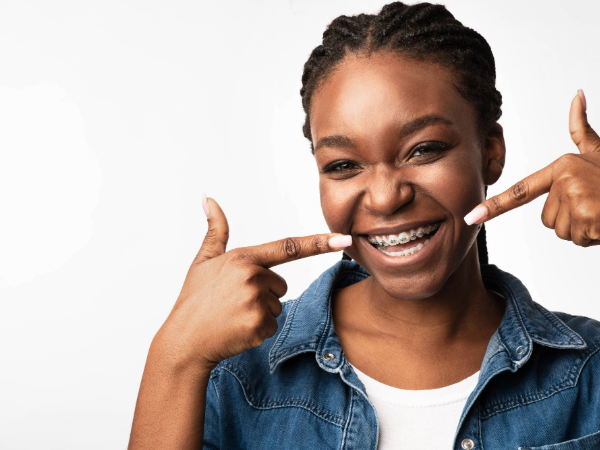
(273, 354)
(287, 326)
(569, 382)
(348, 421)
(288, 321)
(479, 422)
(323, 337)
(479, 390)
(298, 403)
(211, 381)
(364, 393)
(515, 304)
(560, 326)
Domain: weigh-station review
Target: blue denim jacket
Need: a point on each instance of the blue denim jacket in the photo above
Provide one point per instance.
(538, 389)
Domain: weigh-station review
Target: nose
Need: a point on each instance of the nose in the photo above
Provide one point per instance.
(387, 191)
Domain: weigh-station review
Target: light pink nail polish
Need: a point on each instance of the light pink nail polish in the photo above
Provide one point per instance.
(205, 206)
(582, 97)
(340, 241)
(476, 215)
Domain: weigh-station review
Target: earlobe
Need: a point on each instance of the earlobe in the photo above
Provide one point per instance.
(495, 153)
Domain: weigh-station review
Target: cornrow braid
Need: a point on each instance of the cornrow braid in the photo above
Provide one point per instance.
(423, 32)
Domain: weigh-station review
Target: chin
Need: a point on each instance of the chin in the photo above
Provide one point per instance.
(417, 286)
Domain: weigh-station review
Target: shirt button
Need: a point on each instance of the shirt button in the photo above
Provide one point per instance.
(467, 444)
(328, 356)
(520, 349)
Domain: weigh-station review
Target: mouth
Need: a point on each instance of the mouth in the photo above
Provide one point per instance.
(406, 242)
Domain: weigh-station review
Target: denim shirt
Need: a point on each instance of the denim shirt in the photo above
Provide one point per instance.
(538, 389)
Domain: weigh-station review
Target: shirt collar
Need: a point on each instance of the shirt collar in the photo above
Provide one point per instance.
(309, 327)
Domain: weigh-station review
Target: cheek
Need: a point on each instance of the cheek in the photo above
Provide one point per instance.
(338, 200)
(459, 187)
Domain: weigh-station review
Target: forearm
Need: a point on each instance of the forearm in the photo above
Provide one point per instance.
(169, 412)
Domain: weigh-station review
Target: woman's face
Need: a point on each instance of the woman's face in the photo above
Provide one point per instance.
(398, 149)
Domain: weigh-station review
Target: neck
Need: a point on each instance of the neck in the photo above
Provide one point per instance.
(463, 307)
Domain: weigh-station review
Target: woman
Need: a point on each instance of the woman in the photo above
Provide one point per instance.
(418, 342)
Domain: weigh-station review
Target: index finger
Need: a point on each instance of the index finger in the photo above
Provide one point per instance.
(519, 194)
(290, 249)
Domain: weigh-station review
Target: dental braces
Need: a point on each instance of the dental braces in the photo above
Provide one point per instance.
(404, 237)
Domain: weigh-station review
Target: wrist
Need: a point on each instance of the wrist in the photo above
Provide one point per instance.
(170, 359)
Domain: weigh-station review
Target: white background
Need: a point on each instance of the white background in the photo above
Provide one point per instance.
(115, 116)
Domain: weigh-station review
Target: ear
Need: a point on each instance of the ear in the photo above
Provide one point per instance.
(494, 154)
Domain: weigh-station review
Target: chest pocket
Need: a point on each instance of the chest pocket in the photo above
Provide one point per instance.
(589, 442)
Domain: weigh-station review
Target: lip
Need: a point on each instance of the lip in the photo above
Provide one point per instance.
(403, 261)
(396, 229)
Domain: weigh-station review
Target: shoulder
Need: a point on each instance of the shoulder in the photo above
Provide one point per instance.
(584, 361)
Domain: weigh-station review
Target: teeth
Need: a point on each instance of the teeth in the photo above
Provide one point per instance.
(407, 252)
(403, 237)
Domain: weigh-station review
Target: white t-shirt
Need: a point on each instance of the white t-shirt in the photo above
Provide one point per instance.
(424, 419)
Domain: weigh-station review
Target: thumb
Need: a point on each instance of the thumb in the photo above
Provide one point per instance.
(583, 135)
(216, 238)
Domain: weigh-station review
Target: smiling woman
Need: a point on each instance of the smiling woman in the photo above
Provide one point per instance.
(418, 342)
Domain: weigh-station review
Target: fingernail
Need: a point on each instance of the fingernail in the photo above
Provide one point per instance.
(477, 214)
(582, 97)
(205, 206)
(340, 241)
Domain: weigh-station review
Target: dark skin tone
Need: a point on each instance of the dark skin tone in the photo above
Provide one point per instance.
(398, 146)
(419, 322)
(430, 319)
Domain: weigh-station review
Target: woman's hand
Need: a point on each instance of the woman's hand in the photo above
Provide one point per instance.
(572, 208)
(230, 300)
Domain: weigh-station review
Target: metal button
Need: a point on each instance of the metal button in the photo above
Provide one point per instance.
(328, 356)
(467, 444)
(520, 349)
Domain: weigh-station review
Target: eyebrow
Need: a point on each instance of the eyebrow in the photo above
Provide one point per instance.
(336, 141)
(422, 122)
(340, 141)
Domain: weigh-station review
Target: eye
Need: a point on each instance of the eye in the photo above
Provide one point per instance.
(429, 149)
(340, 167)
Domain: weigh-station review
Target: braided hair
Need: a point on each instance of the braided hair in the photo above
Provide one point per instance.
(423, 32)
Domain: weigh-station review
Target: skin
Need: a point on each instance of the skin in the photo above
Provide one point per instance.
(416, 324)
(355, 118)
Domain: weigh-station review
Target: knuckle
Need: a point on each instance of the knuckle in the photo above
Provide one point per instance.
(254, 279)
(546, 221)
(278, 308)
(568, 159)
(320, 244)
(495, 204)
(211, 237)
(284, 287)
(252, 300)
(291, 247)
(581, 241)
(235, 256)
(520, 191)
(574, 190)
(586, 213)
(201, 256)
(258, 340)
(255, 321)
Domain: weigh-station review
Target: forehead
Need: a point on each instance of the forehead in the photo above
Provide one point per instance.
(370, 95)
